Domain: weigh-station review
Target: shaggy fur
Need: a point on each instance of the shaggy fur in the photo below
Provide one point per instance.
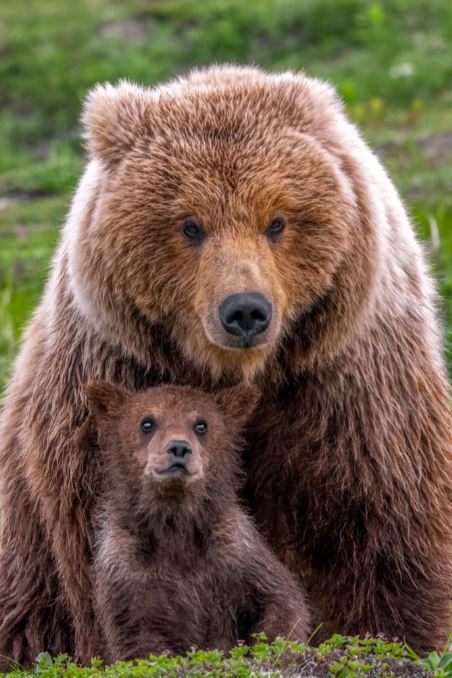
(349, 453)
(178, 563)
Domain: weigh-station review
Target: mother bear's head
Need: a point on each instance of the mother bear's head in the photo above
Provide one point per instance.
(230, 208)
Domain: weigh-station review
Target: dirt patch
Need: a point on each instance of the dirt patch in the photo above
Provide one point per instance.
(133, 31)
(21, 195)
(437, 147)
(5, 203)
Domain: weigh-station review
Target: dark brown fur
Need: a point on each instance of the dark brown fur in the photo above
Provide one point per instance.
(349, 453)
(178, 563)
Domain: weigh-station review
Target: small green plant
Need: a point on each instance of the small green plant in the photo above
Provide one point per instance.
(344, 657)
(440, 665)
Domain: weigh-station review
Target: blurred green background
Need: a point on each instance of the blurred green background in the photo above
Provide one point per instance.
(391, 61)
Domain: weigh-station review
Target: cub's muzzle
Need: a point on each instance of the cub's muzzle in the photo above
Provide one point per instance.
(179, 452)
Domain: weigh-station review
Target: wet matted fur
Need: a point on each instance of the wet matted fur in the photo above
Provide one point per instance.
(349, 453)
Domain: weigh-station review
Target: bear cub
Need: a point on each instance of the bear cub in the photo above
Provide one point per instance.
(178, 564)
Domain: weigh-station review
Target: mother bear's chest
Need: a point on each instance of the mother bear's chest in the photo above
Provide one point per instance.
(298, 486)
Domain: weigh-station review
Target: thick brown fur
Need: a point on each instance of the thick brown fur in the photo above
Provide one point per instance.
(349, 452)
(178, 564)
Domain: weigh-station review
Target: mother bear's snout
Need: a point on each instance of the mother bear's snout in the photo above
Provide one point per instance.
(245, 314)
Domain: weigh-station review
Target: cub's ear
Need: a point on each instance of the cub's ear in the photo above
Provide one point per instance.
(104, 398)
(238, 403)
(114, 117)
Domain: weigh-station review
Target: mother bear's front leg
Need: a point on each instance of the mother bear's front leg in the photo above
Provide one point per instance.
(351, 487)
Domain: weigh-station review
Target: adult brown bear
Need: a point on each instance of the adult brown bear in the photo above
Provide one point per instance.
(234, 226)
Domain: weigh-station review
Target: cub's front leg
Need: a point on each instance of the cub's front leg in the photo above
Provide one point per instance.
(273, 590)
(127, 622)
(284, 609)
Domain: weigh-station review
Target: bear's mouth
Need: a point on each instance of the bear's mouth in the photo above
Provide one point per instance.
(237, 344)
(177, 469)
(247, 341)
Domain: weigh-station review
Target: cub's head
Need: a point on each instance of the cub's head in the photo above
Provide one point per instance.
(225, 209)
(172, 445)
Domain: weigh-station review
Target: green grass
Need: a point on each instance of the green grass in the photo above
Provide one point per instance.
(391, 60)
(341, 657)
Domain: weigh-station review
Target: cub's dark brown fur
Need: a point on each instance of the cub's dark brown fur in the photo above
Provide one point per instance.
(178, 563)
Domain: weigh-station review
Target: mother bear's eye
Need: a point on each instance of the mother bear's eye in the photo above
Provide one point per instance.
(193, 230)
(275, 227)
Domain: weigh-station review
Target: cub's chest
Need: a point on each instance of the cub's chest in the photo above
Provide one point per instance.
(205, 601)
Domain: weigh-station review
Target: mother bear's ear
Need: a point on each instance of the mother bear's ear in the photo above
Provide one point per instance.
(114, 117)
(238, 403)
(104, 398)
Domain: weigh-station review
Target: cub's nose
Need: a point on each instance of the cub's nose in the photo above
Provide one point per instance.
(245, 314)
(179, 449)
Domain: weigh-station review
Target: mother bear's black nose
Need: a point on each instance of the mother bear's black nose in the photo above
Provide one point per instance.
(245, 314)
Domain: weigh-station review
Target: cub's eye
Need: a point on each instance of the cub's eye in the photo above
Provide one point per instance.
(275, 227)
(193, 230)
(147, 425)
(201, 428)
